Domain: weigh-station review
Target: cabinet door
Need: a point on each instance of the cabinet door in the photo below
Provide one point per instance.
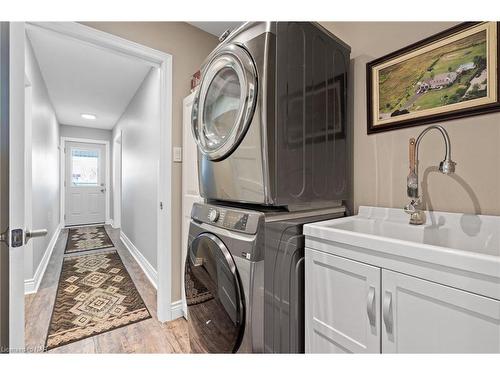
(342, 305)
(424, 317)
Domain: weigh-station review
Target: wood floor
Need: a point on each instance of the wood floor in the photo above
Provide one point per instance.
(148, 336)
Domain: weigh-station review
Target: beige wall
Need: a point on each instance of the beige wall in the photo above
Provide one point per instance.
(380, 161)
(189, 46)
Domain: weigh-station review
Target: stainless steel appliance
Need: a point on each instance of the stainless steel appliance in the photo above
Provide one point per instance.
(270, 117)
(244, 278)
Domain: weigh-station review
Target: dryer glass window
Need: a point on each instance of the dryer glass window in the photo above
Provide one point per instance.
(213, 296)
(222, 105)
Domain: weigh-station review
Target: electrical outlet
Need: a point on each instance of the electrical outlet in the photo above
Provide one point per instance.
(177, 154)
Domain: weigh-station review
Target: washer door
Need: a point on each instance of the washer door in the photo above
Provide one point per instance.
(224, 104)
(214, 297)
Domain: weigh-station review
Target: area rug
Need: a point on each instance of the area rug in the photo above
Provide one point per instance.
(87, 238)
(95, 294)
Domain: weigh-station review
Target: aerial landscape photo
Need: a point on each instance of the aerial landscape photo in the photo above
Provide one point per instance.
(453, 73)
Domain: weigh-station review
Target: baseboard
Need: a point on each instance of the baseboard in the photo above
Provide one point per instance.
(148, 269)
(176, 309)
(32, 285)
(109, 222)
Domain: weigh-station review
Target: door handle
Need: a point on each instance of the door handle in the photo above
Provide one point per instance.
(29, 234)
(103, 190)
(387, 312)
(371, 306)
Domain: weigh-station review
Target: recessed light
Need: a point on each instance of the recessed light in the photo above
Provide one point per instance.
(88, 116)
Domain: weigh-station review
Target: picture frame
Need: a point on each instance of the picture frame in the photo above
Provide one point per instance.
(450, 75)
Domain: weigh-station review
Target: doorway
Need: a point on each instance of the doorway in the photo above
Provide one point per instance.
(85, 178)
(91, 172)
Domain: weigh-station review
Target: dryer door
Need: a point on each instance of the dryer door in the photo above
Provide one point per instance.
(225, 102)
(214, 297)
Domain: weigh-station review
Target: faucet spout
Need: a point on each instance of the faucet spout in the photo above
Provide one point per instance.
(446, 166)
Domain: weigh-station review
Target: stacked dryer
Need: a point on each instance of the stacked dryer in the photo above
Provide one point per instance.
(270, 121)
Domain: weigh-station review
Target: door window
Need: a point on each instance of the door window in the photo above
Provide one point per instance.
(84, 167)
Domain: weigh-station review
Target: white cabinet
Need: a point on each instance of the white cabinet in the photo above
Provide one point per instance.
(425, 317)
(353, 307)
(342, 305)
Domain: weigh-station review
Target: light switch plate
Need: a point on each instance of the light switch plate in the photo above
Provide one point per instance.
(177, 154)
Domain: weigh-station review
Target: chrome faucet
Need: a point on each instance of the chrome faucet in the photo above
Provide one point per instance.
(447, 166)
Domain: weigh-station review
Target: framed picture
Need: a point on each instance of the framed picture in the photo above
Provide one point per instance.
(450, 75)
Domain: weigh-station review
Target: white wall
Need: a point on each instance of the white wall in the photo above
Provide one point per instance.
(140, 127)
(45, 163)
(84, 132)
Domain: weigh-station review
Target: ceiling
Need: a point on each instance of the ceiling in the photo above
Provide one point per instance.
(216, 28)
(83, 78)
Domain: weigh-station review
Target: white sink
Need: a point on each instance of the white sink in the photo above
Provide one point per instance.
(466, 242)
(476, 233)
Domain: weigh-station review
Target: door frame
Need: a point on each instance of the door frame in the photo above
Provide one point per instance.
(117, 180)
(163, 62)
(62, 179)
(17, 155)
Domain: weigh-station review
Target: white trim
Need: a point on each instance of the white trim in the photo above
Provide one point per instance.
(62, 178)
(176, 307)
(117, 179)
(164, 222)
(13, 45)
(148, 269)
(163, 61)
(177, 310)
(32, 285)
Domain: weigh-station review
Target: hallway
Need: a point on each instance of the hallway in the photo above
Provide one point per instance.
(148, 336)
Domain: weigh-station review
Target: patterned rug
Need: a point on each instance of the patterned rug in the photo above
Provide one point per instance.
(87, 238)
(95, 294)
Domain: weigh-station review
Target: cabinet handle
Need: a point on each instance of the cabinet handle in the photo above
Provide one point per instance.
(371, 306)
(387, 312)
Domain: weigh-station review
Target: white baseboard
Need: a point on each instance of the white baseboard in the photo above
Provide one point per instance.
(175, 307)
(141, 260)
(177, 310)
(32, 285)
(109, 222)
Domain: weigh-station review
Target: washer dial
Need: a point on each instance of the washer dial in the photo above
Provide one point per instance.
(213, 215)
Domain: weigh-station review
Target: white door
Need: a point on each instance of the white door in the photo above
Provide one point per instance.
(85, 183)
(341, 305)
(424, 317)
(17, 157)
(19, 161)
(190, 187)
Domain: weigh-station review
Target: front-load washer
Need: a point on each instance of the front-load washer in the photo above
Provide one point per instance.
(270, 117)
(244, 278)
(224, 280)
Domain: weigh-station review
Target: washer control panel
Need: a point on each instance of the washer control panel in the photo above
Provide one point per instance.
(225, 217)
